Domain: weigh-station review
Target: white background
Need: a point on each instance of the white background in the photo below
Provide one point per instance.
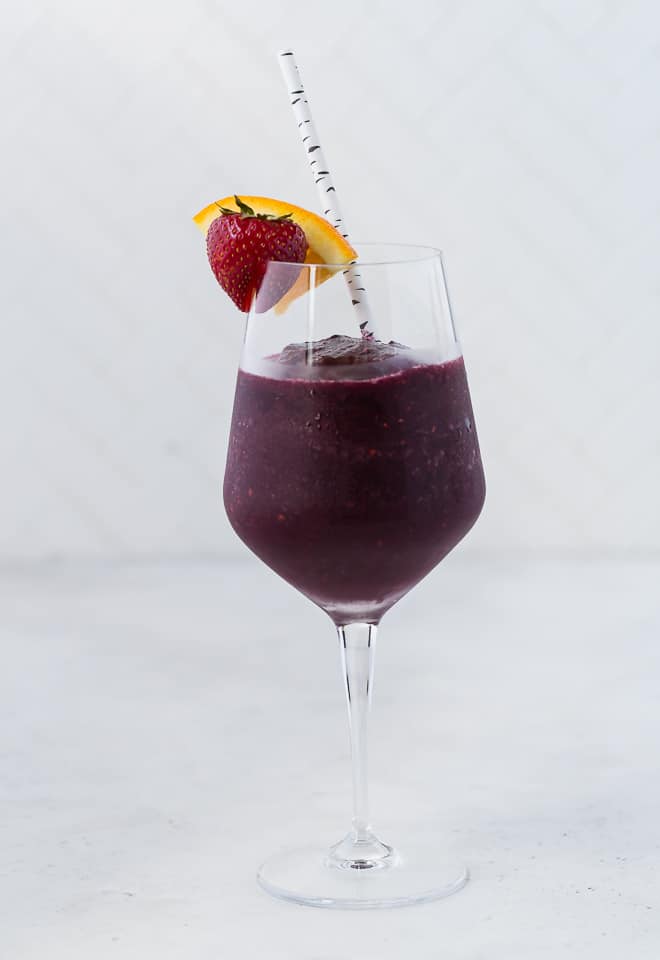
(170, 712)
(522, 137)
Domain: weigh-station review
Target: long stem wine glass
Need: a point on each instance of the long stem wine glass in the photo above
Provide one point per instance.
(353, 469)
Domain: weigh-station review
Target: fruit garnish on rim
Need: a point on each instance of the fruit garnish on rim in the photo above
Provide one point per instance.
(244, 233)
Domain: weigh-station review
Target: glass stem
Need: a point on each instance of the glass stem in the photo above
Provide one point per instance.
(358, 651)
(361, 849)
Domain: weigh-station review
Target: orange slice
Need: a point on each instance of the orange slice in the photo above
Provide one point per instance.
(326, 245)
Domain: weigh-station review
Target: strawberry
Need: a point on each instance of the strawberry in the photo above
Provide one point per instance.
(240, 246)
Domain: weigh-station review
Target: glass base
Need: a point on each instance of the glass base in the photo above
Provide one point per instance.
(324, 878)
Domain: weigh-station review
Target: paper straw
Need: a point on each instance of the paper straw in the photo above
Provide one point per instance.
(324, 183)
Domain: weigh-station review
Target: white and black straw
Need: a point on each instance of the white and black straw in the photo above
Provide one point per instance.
(324, 183)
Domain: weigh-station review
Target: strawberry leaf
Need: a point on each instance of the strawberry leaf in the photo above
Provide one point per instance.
(245, 210)
(246, 213)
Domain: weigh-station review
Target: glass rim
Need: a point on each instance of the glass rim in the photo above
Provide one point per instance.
(416, 253)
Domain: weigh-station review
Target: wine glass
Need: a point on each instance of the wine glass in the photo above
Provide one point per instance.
(353, 468)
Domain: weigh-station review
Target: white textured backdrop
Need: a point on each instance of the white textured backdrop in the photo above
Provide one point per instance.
(522, 137)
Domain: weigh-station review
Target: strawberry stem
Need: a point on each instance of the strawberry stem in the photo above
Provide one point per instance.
(243, 207)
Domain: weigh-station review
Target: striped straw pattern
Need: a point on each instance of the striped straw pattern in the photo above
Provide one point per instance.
(324, 182)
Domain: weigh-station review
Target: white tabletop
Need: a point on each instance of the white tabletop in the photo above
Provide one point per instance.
(164, 726)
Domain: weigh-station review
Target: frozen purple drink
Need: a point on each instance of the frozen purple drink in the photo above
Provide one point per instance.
(353, 469)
